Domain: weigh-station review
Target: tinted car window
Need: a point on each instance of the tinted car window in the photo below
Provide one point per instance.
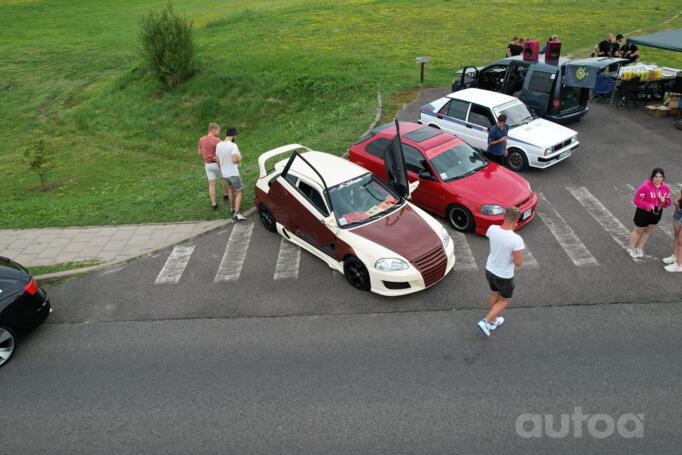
(313, 196)
(377, 147)
(444, 110)
(458, 109)
(541, 82)
(423, 134)
(480, 115)
(413, 159)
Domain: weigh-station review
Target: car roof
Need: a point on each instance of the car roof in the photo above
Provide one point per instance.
(334, 169)
(541, 59)
(406, 130)
(482, 97)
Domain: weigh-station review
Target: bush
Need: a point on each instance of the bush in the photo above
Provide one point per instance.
(39, 160)
(168, 45)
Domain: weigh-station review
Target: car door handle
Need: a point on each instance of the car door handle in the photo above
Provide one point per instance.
(470, 126)
(439, 116)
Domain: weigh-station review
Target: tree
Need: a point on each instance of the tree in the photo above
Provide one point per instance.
(39, 160)
(169, 46)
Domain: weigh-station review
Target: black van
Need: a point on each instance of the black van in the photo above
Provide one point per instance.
(541, 86)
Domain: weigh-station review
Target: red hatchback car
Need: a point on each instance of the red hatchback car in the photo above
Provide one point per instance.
(455, 181)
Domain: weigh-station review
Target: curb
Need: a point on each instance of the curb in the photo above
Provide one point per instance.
(50, 277)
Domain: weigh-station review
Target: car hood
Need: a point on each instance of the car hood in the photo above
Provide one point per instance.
(541, 133)
(492, 185)
(404, 232)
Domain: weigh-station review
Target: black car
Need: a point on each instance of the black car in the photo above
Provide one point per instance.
(542, 87)
(23, 306)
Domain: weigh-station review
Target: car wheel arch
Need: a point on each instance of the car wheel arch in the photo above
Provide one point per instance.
(470, 226)
(524, 155)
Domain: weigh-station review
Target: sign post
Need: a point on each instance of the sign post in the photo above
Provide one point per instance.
(422, 61)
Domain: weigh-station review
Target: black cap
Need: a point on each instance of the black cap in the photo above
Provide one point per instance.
(619, 36)
(231, 132)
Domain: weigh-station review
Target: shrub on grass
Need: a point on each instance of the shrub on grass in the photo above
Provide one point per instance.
(39, 160)
(168, 45)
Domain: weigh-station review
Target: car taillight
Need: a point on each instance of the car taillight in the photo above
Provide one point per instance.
(556, 104)
(31, 287)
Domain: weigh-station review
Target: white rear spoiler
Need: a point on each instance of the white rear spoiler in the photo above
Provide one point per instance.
(274, 152)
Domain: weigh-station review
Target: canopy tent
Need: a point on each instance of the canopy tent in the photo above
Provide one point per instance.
(583, 72)
(671, 40)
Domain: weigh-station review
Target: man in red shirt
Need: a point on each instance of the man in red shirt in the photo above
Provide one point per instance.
(206, 148)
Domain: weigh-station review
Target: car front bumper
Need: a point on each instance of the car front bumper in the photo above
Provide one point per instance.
(483, 222)
(383, 283)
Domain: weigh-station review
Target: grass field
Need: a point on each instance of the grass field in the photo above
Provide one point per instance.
(282, 71)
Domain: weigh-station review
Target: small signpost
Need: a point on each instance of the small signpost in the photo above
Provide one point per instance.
(422, 61)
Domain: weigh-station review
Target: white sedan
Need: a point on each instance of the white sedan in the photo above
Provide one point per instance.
(532, 141)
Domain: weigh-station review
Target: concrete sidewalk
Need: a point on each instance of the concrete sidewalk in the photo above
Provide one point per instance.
(104, 244)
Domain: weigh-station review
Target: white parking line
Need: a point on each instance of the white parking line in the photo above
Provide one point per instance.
(175, 265)
(603, 216)
(235, 253)
(288, 261)
(631, 188)
(464, 259)
(562, 232)
(529, 261)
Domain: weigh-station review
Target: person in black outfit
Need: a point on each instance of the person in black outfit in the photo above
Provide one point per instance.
(604, 48)
(619, 46)
(631, 52)
(514, 48)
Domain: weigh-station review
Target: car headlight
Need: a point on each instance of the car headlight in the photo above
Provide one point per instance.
(444, 236)
(492, 209)
(390, 264)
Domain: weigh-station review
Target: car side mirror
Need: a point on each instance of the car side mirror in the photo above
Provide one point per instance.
(424, 174)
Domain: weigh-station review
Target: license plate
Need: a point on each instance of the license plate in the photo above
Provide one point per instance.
(526, 214)
(565, 154)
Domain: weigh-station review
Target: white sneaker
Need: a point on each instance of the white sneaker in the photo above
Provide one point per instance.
(673, 268)
(632, 252)
(238, 217)
(496, 323)
(670, 259)
(483, 326)
(640, 252)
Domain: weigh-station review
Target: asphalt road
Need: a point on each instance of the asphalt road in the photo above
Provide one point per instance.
(423, 382)
(301, 362)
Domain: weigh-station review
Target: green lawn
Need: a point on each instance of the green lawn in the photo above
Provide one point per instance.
(282, 71)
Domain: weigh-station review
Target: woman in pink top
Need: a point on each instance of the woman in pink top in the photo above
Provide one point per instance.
(651, 198)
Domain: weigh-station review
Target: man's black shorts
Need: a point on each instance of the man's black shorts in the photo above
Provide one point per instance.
(505, 286)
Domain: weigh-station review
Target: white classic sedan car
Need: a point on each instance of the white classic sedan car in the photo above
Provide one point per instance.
(533, 141)
(356, 224)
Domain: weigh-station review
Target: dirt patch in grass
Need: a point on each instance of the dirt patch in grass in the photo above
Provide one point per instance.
(396, 102)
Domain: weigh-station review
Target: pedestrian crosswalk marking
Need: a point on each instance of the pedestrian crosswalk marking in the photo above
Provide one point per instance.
(235, 253)
(288, 261)
(529, 261)
(464, 259)
(562, 232)
(631, 188)
(175, 265)
(602, 215)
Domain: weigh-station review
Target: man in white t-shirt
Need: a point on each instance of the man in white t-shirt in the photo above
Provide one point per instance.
(228, 156)
(506, 252)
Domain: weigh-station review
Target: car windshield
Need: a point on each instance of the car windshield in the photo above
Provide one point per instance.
(517, 113)
(362, 199)
(457, 162)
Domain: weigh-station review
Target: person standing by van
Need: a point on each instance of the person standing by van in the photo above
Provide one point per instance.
(652, 196)
(506, 252)
(674, 261)
(497, 140)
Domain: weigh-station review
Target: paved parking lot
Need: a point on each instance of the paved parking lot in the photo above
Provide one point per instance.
(575, 250)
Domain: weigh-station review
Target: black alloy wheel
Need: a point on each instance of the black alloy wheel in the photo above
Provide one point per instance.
(267, 218)
(356, 273)
(8, 345)
(460, 218)
(516, 160)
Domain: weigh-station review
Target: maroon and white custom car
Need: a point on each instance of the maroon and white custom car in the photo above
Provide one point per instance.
(357, 224)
